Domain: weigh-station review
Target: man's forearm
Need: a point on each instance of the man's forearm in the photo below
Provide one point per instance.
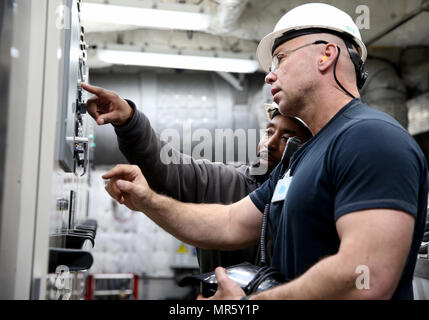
(331, 278)
(202, 225)
(226, 227)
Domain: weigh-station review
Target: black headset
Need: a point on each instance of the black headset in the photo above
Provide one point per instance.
(361, 74)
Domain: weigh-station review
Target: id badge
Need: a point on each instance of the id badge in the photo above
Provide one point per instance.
(281, 188)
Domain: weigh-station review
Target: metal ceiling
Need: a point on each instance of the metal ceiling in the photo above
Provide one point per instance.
(237, 26)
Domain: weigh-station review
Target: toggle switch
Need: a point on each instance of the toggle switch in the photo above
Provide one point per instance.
(80, 107)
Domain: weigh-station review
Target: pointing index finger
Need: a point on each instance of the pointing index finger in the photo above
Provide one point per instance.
(118, 170)
(93, 89)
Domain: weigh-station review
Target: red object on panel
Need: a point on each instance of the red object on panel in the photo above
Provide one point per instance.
(136, 287)
(88, 295)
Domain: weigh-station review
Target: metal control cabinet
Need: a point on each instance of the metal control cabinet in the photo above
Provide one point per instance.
(73, 145)
(72, 139)
(68, 238)
(47, 140)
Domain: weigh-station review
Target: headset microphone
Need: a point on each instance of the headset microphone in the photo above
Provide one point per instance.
(292, 145)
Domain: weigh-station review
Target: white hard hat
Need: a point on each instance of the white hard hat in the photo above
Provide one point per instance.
(310, 16)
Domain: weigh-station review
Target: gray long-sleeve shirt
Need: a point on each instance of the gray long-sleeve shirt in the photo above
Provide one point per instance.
(197, 181)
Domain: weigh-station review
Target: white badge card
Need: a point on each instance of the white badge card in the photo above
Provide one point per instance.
(281, 189)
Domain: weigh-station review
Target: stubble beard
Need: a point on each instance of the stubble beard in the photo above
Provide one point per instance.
(294, 102)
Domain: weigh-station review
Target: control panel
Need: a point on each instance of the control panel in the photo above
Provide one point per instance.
(72, 233)
(73, 148)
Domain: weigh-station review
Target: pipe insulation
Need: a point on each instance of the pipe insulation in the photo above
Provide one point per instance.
(384, 90)
(414, 66)
(418, 114)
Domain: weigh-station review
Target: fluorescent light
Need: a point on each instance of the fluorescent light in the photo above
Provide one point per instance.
(147, 18)
(178, 61)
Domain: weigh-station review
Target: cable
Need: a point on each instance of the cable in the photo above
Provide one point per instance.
(263, 260)
(263, 274)
(335, 75)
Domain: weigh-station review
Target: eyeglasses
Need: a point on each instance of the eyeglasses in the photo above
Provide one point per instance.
(282, 55)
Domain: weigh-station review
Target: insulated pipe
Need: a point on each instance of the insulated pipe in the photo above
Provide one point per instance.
(384, 90)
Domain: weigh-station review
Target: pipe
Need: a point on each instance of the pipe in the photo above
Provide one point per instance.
(384, 90)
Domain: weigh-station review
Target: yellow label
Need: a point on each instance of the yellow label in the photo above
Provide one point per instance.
(182, 249)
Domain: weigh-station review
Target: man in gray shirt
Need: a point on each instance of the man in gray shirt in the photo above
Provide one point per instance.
(187, 179)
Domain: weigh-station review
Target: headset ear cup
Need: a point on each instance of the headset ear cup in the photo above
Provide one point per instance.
(361, 74)
(362, 78)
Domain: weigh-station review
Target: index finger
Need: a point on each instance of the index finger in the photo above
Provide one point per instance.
(93, 89)
(118, 170)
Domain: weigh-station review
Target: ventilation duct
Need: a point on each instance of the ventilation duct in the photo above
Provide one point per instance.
(228, 14)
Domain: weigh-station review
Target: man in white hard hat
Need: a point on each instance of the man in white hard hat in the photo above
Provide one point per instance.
(347, 218)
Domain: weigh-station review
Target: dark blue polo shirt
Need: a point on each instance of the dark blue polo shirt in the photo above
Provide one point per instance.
(361, 159)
